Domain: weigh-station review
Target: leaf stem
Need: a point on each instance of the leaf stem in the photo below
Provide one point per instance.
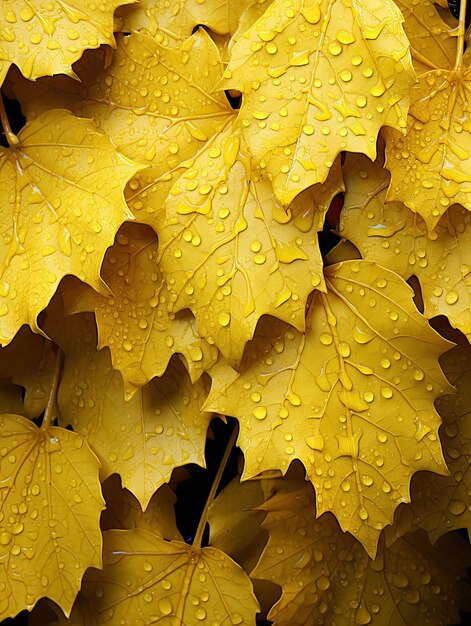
(461, 37)
(214, 486)
(9, 134)
(51, 401)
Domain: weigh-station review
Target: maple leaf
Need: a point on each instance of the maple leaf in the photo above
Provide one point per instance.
(134, 320)
(441, 503)
(432, 40)
(161, 116)
(328, 578)
(46, 38)
(29, 361)
(398, 239)
(123, 510)
(352, 398)
(431, 166)
(242, 539)
(160, 428)
(50, 504)
(319, 77)
(232, 253)
(177, 20)
(170, 581)
(61, 196)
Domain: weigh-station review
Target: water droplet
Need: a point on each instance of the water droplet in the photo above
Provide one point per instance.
(224, 318)
(260, 412)
(457, 507)
(200, 614)
(165, 606)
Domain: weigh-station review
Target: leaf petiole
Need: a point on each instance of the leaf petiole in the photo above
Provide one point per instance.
(52, 399)
(222, 465)
(461, 37)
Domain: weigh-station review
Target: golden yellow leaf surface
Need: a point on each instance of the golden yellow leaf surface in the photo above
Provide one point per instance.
(156, 103)
(170, 582)
(123, 510)
(431, 166)
(319, 77)
(46, 38)
(230, 251)
(50, 504)
(144, 439)
(327, 577)
(398, 239)
(62, 201)
(432, 40)
(134, 321)
(352, 398)
(177, 20)
(442, 503)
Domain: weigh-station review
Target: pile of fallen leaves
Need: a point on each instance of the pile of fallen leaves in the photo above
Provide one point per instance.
(246, 209)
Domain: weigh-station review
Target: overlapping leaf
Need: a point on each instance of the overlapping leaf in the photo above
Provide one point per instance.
(156, 103)
(144, 439)
(179, 19)
(123, 510)
(431, 166)
(62, 201)
(319, 77)
(134, 320)
(442, 503)
(328, 578)
(398, 239)
(432, 41)
(50, 504)
(46, 38)
(29, 361)
(169, 581)
(352, 398)
(230, 250)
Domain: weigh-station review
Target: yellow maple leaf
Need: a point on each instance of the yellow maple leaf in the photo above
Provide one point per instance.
(144, 439)
(398, 239)
(123, 510)
(230, 250)
(46, 38)
(50, 504)
(335, 582)
(432, 40)
(441, 503)
(134, 320)
(61, 198)
(352, 398)
(161, 116)
(177, 20)
(431, 165)
(319, 77)
(170, 582)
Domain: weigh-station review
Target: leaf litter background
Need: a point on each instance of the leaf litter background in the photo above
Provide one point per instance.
(191, 492)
